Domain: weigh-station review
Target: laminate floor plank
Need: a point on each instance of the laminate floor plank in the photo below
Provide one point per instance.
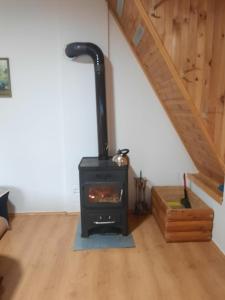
(37, 263)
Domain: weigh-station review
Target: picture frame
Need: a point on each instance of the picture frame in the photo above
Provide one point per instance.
(5, 82)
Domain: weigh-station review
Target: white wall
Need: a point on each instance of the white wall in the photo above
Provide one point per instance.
(50, 122)
(79, 21)
(31, 121)
(219, 216)
(141, 124)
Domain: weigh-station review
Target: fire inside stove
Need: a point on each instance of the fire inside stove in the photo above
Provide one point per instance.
(105, 194)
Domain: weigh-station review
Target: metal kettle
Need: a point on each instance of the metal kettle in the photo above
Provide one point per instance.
(121, 158)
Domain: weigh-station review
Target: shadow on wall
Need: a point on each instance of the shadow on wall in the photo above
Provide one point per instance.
(132, 190)
(112, 135)
(110, 102)
(137, 220)
(10, 273)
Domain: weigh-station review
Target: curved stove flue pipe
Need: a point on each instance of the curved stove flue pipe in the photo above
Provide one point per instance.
(76, 49)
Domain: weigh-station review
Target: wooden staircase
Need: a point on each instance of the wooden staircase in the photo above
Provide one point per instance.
(134, 20)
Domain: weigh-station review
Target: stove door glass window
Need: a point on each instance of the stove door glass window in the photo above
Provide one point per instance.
(105, 193)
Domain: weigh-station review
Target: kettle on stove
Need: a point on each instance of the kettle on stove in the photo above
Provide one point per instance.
(121, 158)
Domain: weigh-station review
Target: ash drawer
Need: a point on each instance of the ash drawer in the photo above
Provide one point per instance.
(104, 218)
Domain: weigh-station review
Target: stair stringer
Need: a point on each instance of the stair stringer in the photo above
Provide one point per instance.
(164, 78)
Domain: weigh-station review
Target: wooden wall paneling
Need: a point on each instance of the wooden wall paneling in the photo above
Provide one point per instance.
(163, 75)
(208, 61)
(217, 83)
(201, 38)
(188, 20)
(192, 31)
(223, 138)
(173, 25)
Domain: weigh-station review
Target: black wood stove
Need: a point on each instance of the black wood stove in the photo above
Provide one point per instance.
(103, 188)
(103, 184)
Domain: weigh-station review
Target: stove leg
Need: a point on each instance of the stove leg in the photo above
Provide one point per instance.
(124, 231)
(84, 233)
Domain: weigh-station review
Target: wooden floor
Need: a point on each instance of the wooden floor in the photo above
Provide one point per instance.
(37, 263)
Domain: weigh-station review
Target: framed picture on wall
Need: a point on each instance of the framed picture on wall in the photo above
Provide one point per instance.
(5, 84)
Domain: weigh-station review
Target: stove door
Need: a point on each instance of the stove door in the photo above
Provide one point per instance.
(103, 194)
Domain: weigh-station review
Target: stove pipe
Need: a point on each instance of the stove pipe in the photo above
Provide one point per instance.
(75, 50)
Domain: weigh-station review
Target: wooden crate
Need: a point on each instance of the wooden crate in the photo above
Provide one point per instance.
(181, 224)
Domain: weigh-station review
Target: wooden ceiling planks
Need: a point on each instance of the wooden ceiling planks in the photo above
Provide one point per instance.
(169, 86)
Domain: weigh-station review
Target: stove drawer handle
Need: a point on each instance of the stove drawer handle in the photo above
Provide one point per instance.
(104, 222)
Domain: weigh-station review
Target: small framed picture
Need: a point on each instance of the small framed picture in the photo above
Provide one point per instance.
(5, 84)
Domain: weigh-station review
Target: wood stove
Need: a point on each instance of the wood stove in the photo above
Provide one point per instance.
(103, 184)
(103, 195)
